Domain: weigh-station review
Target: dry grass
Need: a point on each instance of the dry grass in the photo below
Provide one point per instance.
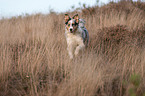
(34, 60)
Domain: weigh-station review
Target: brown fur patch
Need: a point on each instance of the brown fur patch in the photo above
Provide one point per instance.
(66, 18)
(67, 26)
(76, 17)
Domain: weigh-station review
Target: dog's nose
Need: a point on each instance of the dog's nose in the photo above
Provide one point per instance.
(70, 29)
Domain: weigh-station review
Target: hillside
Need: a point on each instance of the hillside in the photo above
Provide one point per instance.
(34, 59)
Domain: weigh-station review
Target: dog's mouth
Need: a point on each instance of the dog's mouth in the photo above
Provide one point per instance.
(72, 31)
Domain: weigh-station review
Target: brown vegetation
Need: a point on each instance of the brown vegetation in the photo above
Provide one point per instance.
(34, 59)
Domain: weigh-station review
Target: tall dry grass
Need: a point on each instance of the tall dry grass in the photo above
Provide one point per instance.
(34, 60)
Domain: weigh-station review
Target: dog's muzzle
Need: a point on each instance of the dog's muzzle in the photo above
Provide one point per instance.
(72, 30)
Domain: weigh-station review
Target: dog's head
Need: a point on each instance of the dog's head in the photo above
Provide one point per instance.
(71, 23)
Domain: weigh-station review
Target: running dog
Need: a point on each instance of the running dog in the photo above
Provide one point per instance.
(76, 34)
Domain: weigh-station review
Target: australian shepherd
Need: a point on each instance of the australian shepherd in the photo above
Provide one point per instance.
(76, 34)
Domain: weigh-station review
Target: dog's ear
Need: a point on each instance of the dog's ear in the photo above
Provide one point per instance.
(76, 17)
(67, 18)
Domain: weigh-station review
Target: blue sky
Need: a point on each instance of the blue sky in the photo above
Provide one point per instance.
(10, 8)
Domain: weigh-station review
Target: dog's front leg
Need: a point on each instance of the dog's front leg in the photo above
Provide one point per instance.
(79, 48)
(70, 51)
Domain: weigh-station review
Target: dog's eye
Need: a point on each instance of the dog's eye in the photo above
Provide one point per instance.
(68, 24)
(73, 24)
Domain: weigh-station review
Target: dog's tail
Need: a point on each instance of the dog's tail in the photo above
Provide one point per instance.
(86, 37)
